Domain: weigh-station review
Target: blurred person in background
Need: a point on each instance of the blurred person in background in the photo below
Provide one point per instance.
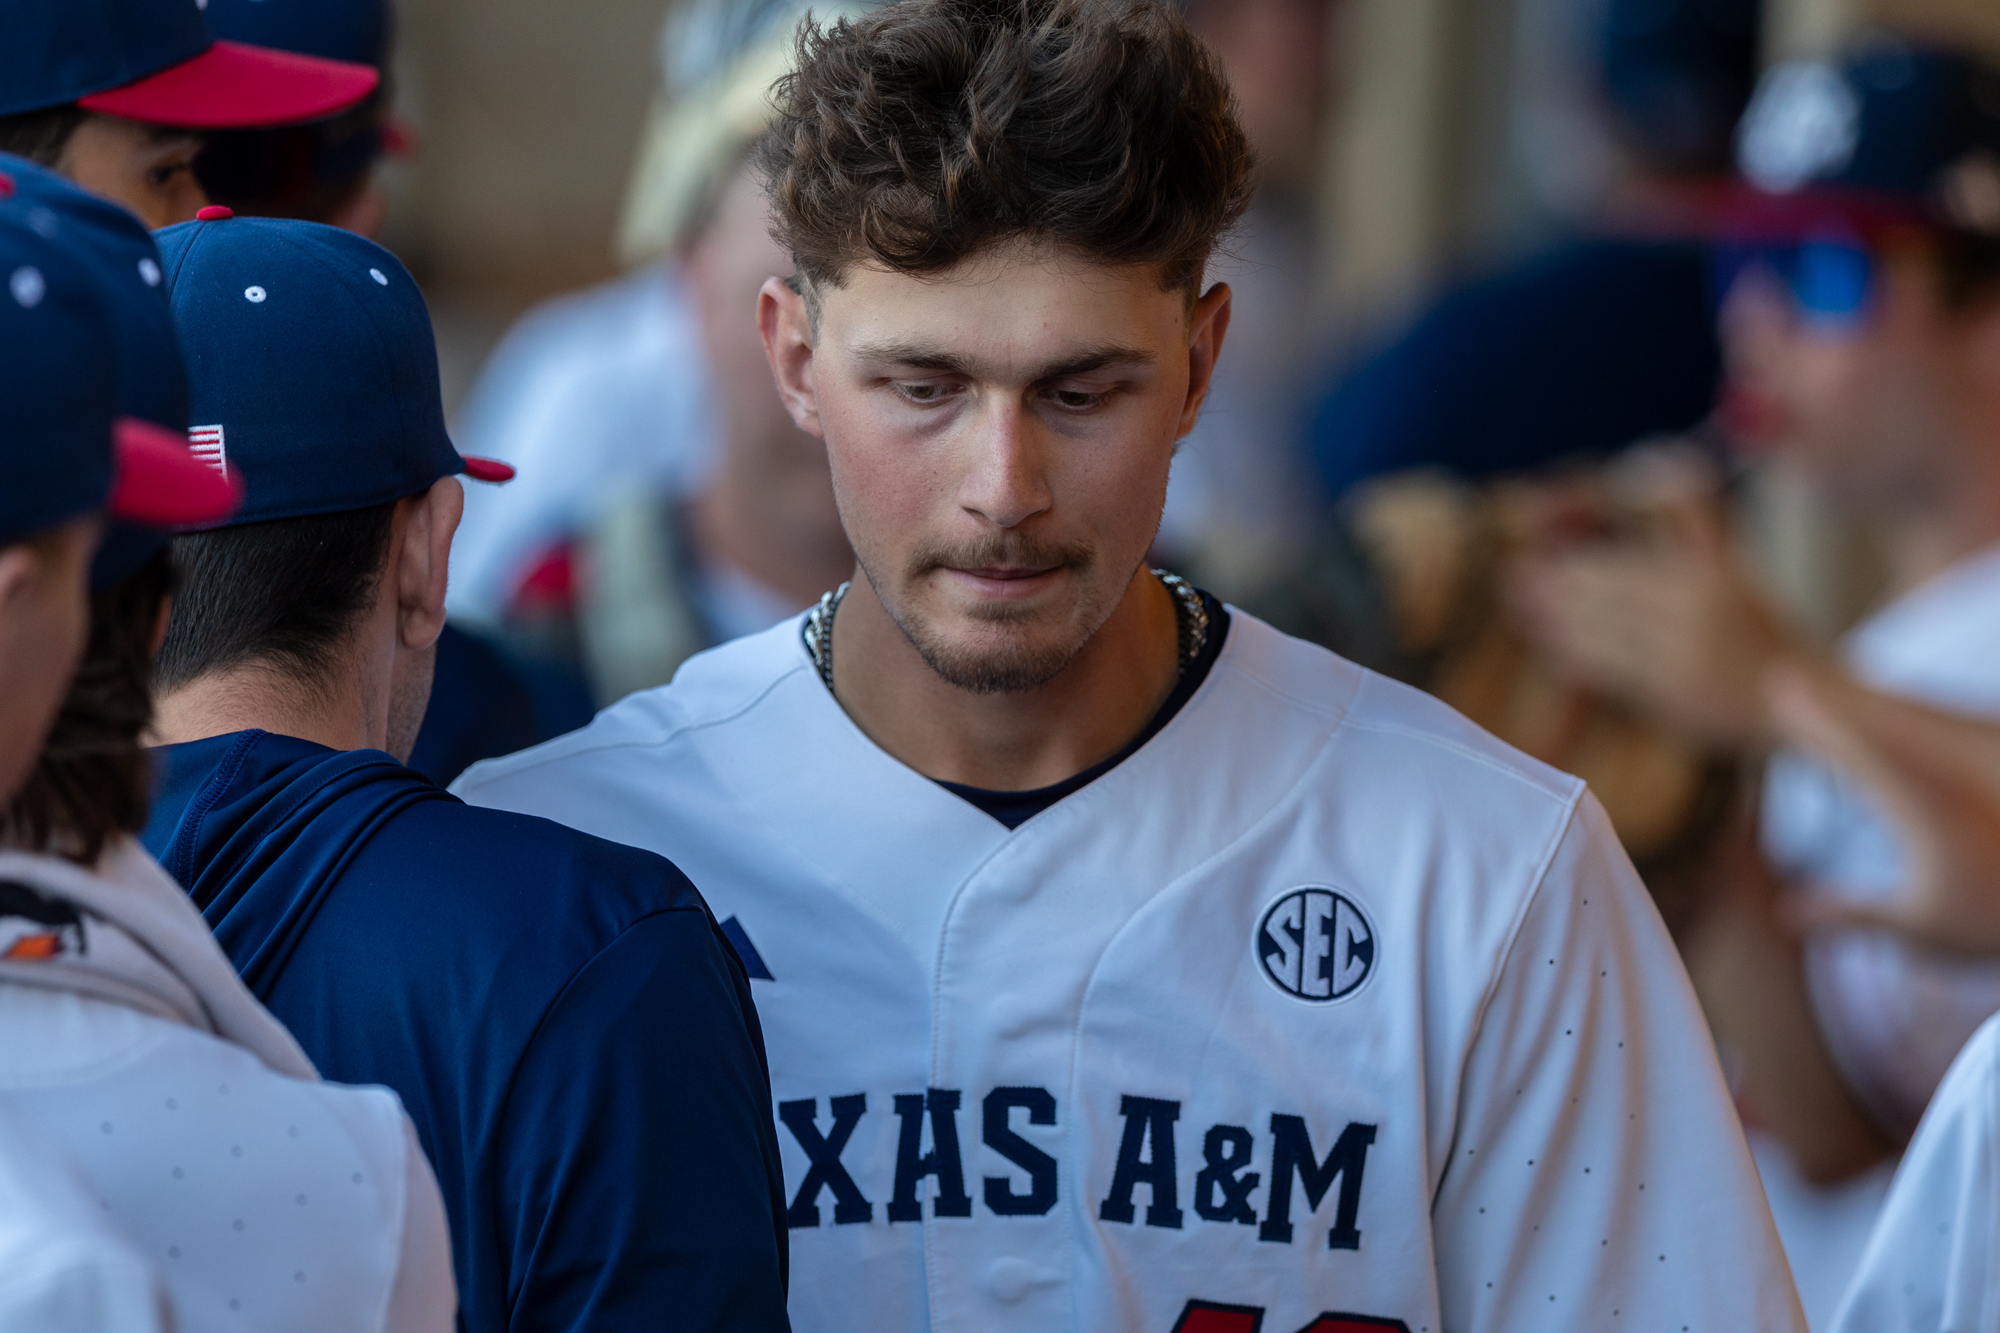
(121, 96)
(666, 501)
(491, 703)
(1241, 503)
(1606, 338)
(566, 1022)
(322, 170)
(1932, 1262)
(128, 1048)
(1862, 322)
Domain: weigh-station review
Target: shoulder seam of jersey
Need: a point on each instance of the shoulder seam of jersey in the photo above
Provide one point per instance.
(1564, 790)
(1564, 793)
(1335, 712)
(508, 766)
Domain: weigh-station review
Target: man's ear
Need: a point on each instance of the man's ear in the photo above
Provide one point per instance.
(1207, 326)
(423, 561)
(20, 566)
(788, 345)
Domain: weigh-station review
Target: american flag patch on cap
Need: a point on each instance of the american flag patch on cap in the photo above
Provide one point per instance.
(205, 443)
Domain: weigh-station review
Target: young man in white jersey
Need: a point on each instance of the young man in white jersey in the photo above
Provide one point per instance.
(1127, 964)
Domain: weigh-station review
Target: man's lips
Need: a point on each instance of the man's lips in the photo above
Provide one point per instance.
(992, 572)
(1004, 581)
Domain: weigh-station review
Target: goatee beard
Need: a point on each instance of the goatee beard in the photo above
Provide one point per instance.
(1014, 662)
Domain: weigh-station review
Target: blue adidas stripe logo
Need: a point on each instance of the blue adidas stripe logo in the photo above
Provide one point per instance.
(739, 940)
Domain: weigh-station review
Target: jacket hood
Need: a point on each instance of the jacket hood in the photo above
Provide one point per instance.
(123, 931)
(258, 827)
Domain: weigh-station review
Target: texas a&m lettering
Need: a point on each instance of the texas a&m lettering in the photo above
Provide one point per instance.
(1240, 1175)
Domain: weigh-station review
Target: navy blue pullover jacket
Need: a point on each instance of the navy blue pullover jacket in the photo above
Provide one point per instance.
(568, 1028)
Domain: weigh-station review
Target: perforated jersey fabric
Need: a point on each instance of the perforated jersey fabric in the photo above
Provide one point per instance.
(262, 1197)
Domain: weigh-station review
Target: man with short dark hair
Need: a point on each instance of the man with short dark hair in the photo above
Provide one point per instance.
(570, 1033)
(1127, 964)
(67, 457)
(119, 94)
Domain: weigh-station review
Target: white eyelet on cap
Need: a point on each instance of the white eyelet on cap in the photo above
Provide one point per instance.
(378, 275)
(149, 271)
(253, 294)
(28, 286)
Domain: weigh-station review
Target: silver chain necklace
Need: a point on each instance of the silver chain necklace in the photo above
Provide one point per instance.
(1189, 611)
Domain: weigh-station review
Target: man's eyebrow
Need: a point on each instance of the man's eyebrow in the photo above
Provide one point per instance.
(918, 356)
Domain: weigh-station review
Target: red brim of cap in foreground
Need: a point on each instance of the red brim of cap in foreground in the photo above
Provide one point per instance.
(162, 485)
(487, 469)
(232, 86)
(1744, 213)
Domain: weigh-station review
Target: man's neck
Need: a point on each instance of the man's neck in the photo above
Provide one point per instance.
(341, 716)
(1011, 741)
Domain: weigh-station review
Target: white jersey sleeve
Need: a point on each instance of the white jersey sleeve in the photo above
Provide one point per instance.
(1599, 1175)
(424, 1296)
(1933, 1262)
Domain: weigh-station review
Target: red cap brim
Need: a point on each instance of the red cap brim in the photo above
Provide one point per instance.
(162, 485)
(487, 469)
(231, 86)
(1746, 214)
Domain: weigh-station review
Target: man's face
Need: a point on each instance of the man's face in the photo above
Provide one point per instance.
(1866, 405)
(1000, 437)
(146, 168)
(44, 617)
(726, 267)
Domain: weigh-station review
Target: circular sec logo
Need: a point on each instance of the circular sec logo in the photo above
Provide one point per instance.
(1316, 944)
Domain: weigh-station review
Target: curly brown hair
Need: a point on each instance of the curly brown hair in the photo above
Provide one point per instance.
(94, 779)
(924, 132)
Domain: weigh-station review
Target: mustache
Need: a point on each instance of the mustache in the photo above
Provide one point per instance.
(1004, 550)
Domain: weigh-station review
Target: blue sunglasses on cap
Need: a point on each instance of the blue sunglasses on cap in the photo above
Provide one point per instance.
(1830, 278)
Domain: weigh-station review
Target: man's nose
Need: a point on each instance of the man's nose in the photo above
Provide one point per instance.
(1006, 480)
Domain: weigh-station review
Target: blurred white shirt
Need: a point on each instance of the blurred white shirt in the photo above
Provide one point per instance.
(1893, 1016)
(591, 396)
(1933, 1263)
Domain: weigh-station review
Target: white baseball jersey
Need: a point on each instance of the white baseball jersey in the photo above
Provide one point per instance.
(1933, 1262)
(1324, 1010)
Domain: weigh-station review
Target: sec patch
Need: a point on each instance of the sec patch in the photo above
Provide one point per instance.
(1316, 944)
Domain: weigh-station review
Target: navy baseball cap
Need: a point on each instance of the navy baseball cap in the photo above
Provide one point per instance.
(1893, 135)
(120, 255)
(353, 30)
(65, 451)
(311, 366)
(119, 251)
(1677, 75)
(157, 61)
